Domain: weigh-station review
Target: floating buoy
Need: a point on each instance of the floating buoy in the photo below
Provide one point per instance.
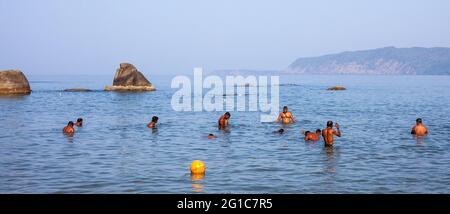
(197, 167)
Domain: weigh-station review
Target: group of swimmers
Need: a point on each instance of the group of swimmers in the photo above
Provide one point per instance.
(285, 117)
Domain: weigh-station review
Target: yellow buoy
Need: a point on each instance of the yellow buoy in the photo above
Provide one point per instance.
(197, 167)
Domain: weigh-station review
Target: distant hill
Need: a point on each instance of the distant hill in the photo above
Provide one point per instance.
(386, 61)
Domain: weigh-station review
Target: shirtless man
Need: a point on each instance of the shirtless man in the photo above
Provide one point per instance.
(223, 120)
(328, 133)
(286, 116)
(152, 124)
(69, 128)
(79, 122)
(310, 136)
(419, 129)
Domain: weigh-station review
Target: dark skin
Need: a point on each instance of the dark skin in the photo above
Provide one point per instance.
(329, 133)
(151, 125)
(286, 116)
(223, 121)
(69, 130)
(311, 136)
(419, 130)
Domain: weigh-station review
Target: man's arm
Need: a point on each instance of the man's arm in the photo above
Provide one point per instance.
(338, 132)
(413, 130)
(279, 118)
(293, 119)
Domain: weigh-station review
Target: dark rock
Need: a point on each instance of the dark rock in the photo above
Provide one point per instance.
(77, 90)
(337, 88)
(128, 78)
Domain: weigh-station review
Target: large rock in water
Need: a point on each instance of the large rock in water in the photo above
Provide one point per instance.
(14, 82)
(128, 78)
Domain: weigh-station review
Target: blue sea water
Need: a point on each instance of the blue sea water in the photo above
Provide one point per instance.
(116, 153)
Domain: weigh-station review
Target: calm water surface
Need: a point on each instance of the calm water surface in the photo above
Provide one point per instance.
(115, 153)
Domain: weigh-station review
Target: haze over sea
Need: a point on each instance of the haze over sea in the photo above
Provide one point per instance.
(116, 153)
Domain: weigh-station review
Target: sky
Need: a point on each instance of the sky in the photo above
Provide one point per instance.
(173, 37)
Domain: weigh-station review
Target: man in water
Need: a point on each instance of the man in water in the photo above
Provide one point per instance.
(152, 124)
(79, 122)
(286, 116)
(211, 136)
(310, 136)
(69, 128)
(328, 133)
(419, 129)
(223, 120)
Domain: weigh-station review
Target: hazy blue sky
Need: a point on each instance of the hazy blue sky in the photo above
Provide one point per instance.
(167, 36)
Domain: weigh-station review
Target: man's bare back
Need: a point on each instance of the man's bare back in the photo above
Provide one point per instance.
(419, 129)
(328, 133)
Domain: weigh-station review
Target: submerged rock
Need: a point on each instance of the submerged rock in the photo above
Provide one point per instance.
(128, 78)
(77, 90)
(14, 82)
(337, 88)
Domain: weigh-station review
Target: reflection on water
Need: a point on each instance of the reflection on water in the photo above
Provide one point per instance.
(197, 182)
(330, 162)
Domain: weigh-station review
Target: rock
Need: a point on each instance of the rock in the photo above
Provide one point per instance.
(14, 82)
(77, 90)
(128, 78)
(337, 88)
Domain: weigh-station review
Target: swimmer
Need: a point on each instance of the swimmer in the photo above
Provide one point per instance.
(152, 124)
(328, 133)
(211, 136)
(79, 122)
(419, 129)
(310, 136)
(223, 120)
(286, 116)
(69, 128)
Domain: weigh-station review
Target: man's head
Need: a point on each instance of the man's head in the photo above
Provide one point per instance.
(285, 109)
(227, 115)
(281, 131)
(419, 121)
(155, 119)
(330, 124)
(318, 131)
(210, 135)
(306, 133)
(70, 124)
(80, 120)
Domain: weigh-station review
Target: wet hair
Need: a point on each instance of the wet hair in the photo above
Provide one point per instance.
(285, 107)
(155, 119)
(228, 113)
(330, 123)
(70, 123)
(211, 135)
(79, 120)
(281, 131)
(306, 133)
(419, 120)
(318, 130)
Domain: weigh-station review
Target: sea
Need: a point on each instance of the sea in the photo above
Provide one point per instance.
(114, 151)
